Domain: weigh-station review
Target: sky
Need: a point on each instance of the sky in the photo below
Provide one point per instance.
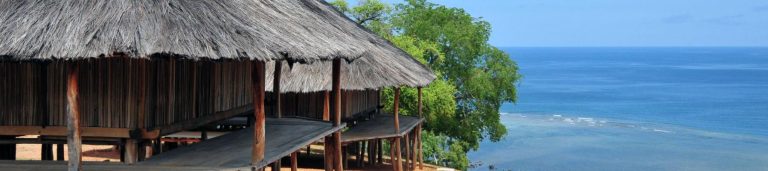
(538, 23)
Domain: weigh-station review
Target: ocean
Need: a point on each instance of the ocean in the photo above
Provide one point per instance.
(634, 109)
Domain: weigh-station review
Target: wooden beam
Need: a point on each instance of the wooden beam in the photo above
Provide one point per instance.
(258, 111)
(84, 131)
(203, 120)
(336, 78)
(277, 108)
(73, 121)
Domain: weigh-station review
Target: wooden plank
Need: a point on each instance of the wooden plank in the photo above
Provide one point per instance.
(73, 122)
(380, 127)
(233, 150)
(194, 123)
(257, 154)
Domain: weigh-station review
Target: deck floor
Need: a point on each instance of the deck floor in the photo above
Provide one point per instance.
(382, 126)
(227, 152)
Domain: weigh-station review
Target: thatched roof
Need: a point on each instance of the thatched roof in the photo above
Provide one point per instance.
(361, 74)
(300, 30)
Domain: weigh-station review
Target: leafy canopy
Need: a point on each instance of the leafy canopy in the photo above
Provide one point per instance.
(461, 107)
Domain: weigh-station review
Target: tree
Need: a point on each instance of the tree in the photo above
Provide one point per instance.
(474, 78)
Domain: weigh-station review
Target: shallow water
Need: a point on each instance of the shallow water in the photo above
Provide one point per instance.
(635, 109)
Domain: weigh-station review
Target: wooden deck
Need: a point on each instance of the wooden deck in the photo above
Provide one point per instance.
(382, 126)
(227, 152)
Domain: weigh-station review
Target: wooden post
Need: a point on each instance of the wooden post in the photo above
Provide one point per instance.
(277, 165)
(257, 154)
(327, 154)
(60, 152)
(131, 151)
(73, 121)
(277, 108)
(398, 164)
(46, 151)
(420, 154)
(295, 161)
(7, 151)
(371, 152)
(336, 78)
(380, 151)
(407, 151)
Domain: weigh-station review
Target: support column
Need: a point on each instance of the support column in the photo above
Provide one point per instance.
(60, 152)
(398, 164)
(371, 152)
(295, 161)
(131, 151)
(379, 151)
(336, 78)
(420, 154)
(277, 108)
(257, 155)
(407, 159)
(327, 141)
(46, 152)
(7, 151)
(74, 139)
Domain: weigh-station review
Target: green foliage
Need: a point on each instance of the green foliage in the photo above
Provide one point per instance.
(474, 78)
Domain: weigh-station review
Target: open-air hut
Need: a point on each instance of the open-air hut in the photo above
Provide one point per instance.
(129, 72)
(304, 90)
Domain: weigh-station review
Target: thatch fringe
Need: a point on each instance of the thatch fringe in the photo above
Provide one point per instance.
(299, 30)
(367, 73)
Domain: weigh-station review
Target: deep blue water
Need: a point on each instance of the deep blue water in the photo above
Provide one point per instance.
(635, 109)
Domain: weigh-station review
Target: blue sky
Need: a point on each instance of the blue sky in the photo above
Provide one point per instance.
(621, 22)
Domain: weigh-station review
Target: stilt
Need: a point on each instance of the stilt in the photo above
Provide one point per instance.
(276, 165)
(73, 121)
(8, 151)
(295, 161)
(380, 151)
(46, 152)
(203, 135)
(131, 151)
(345, 156)
(328, 154)
(157, 146)
(258, 106)
(60, 152)
(392, 157)
(371, 152)
(407, 152)
(327, 141)
(420, 156)
(336, 80)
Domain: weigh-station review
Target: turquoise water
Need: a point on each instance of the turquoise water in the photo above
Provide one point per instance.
(635, 109)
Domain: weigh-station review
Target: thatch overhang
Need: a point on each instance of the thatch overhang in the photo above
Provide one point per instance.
(366, 73)
(297, 30)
